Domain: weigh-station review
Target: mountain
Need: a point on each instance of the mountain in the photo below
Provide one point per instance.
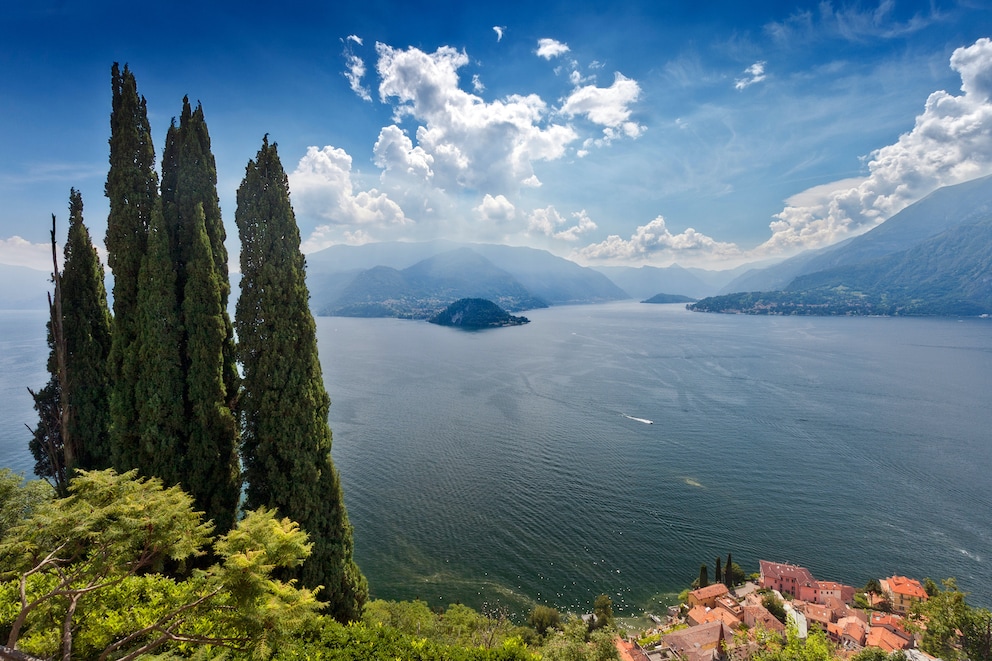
(422, 289)
(476, 313)
(937, 212)
(22, 288)
(669, 298)
(418, 279)
(645, 281)
(933, 258)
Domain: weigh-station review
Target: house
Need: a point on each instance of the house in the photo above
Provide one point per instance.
(707, 596)
(829, 590)
(902, 593)
(849, 632)
(701, 643)
(756, 615)
(886, 640)
(629, 651)
(785, 578)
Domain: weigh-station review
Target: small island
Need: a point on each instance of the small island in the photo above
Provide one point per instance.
(476, 313)
(669, 298)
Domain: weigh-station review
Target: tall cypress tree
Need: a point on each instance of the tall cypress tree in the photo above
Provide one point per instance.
(213, 478)
(161, 415)
(286, 440)
(86, 324)
(191, 218)
(132, 190)
(73, 408)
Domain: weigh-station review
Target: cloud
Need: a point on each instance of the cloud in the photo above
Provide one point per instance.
(549, 48)
(951, 142)
(655, 239)
(354, 73)
(548, 222)
(852, 23)
(474, 144)
(755, 74)
(16, 251)
(395, 151)
(355, 68)
(477, 85)
(496, 209)
(499, 30)
(607, 106)
(322, 187)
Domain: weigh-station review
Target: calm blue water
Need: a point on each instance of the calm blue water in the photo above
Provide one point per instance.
(514, 466)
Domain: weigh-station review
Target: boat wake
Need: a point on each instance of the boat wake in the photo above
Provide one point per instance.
(644, 420)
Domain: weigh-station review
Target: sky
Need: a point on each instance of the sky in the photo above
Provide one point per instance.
(611, 133)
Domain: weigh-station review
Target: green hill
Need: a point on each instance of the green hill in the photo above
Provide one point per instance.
(476, 313)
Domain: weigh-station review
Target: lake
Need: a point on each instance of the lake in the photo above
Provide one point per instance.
(518, 466)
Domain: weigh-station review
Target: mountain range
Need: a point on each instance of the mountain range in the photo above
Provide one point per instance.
(417, 280)
(932, 258)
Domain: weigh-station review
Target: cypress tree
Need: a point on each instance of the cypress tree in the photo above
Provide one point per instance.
(728, 574)
(132, 190)
(73, 408)
(286, 440)
(86, 324)
(717, 572)
(161, 416)
(213, 478)
(703, 576)
(192, 221)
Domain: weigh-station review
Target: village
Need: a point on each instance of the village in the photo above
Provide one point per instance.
(719, 623)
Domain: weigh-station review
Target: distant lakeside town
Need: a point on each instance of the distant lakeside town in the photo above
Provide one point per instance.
(783, 602)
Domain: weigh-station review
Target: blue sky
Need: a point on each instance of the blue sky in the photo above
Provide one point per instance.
(704, 134)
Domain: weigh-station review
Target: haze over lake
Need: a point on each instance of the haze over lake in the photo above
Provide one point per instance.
(518, 465)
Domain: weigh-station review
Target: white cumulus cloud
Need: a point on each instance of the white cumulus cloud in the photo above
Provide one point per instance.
(549, 48)
(656, 240)
(607, 106)
(499, 30)
(17, 251)
(354, 72)
(496, 209)
(549, 222)
(474, 144)
(322, 186)
(951, 142)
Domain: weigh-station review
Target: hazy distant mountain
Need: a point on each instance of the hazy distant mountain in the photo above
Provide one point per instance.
(22, 288)
(421, 290)
(418, 279)
(937, 212)
(933, 258)
(646, 281)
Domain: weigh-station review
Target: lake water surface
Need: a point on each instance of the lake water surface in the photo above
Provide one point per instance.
(517, 465)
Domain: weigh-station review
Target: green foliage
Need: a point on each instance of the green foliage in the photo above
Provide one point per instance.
(774, 606)
(213, 473)
(78, 575)
(132, 191)
(286, 440)
(86, 322)
(155, 361)
(815, 647)
(19, 498)
(704, 579)
(574, 643)
(718, 571)
(327, 640)
(950, 628)
(878, 654)
(543, 618)
(602, 611)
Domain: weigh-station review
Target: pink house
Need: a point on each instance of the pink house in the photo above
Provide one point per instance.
(785, 578)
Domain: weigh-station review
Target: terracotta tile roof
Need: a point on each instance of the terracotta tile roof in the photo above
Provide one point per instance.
(775, 570)
(906, 586)
(629, 651)
(710, 591)
(885, 639)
